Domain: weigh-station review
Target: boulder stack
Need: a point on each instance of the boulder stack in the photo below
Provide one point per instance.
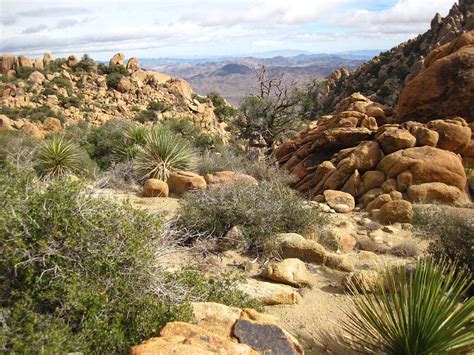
(368, 151)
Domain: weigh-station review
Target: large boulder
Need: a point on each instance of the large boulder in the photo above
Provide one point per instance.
(132, 64)
(395, 139)
(182, 181)
(52, 124)
(117, 59)
(434, 192)
(444, 87)
(341, 202)
(47, 58)
(72, 61)
(124, 84)
(399, 211)
(220, 178)
(7, 63)
(24, 62)
(420, 165)
(292, 245)
(155, 188)
(454, 134)
(270, 293)
(37, 77)
(5, 123)
(289, 271)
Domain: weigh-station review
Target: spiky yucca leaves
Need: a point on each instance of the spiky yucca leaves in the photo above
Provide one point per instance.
(133, 139)
(163, 153)
(423, 313)
(58, 157)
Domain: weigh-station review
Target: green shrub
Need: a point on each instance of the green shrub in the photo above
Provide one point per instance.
(227, 159)
(199, 98)
(111, 69)
(157, 106)
(55, 66)
(79, 273)
(25, 72)
(260, 211)
(222, 110)
(36, 114)
(76, 271)
(86, 64)
(106, 142)
(57, 157)
(147, 116)
(452, 234)
(113, 79)
(63, 82)
(163, 153)
(69, 101)
(423, 313)
(17, 148)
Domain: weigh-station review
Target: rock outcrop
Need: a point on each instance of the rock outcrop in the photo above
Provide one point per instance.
(87, 95)
(383, 77)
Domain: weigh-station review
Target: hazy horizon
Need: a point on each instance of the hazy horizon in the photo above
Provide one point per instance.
(193, 29)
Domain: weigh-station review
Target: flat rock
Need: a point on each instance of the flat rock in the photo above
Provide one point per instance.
(270, 293)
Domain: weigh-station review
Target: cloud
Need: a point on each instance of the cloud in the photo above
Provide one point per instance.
(53, 11)
(8, 20)
(266, 43)
(34, 29)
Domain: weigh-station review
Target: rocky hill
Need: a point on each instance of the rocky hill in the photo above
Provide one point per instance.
(40, 95)
(383, 78)
(381, 157)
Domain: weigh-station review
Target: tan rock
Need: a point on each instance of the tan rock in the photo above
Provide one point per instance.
(270, 293)
(372, 179)
(182, 181)
(227, 177)
(389, 185)
(47, 58)
(292, 245)
(124, 85)
(434, 192)
(24, 62)
(215, 317)
(52, 124)
(155, 188)
(288, 271)
(420, 165)
(341, 202)
(454, 135)
(181, 88)
(378, 202)
(7, 63)
(444, 88)
(132, 64)
(396, 139)
(72, 61)
(37, 77)
(400, 211)
(38, 63)
(185, 338)
(32, 130)
(339, 262)
(117, 59)
(5, 123)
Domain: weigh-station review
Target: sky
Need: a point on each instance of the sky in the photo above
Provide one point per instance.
(191, 28)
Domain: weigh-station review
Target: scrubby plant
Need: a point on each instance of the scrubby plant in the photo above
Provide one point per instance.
(163, 153)
(157, 106)
(25, 72)
(422, 313)
(260, 211)
(113, 79)
(57, 157)
(63, 82)
(86, 64)
(147, 116)
(222, 109)
(407, 248)
(451, 235)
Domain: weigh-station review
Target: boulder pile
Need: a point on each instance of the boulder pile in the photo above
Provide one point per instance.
(368, 151)
(85, 95)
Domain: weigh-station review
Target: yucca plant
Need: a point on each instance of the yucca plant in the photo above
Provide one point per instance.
(133, 139)
(163, 153)
(417, 312)
(58, 157)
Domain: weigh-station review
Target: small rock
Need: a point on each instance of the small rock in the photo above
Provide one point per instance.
(289, 271)
(155, 188)
(270, 293)
(182, 181)
(341, 202)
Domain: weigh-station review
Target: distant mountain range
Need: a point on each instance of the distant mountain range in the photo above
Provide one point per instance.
(234, 77)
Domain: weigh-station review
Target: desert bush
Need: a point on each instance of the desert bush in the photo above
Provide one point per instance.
(120, 176)
(199, 98)
(64, 83)
(55, 66)
(75, 271)
(147, 116)
(228, 159)
(163, 153)
(80, 274)
(453, 236)
(222, 110)
(157, 106)
(69, 101)
(106, 143)
(17, 148)
(112, 69)
(113, 79)
(407, 248)
(25, 72)
(422, 313)
(260, 211)
(86, 64)
(58, 157)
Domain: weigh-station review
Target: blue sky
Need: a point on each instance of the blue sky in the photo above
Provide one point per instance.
(191, 28)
